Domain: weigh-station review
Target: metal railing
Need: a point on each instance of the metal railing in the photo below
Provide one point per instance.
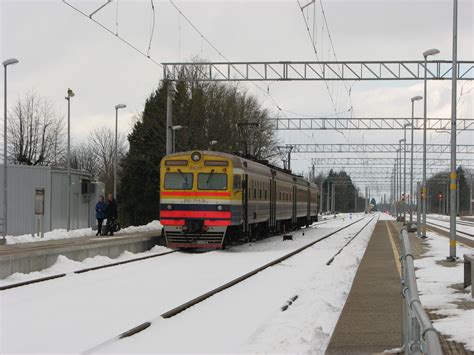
(419, 335)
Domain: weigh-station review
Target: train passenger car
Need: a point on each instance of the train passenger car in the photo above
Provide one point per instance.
(208, 198)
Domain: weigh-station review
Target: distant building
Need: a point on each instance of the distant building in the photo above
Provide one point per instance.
(29, 184)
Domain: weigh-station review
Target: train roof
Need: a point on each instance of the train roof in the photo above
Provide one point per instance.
(237, 159)
(245, 162)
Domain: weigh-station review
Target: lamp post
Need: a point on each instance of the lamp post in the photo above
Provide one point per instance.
(5, 63)
(117, 107)
(426, 54)
(405, 170)
(397, 206)
(70, 94)
(413, 99)
(400, 174)
(173, 138)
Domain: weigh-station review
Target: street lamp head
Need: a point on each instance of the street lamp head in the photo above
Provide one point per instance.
(10, 61)
(407, 125)
(416, 98)
(429, 52)
(70, 93)
(401, 140)
(213, 142)
(175, 128)
(120, 106)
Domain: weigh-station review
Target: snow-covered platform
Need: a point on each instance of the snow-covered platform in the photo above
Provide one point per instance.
(370, 321)
(35, 256)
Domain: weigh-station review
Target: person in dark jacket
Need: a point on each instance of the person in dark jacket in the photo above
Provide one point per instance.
(100, 213)
(112, 214)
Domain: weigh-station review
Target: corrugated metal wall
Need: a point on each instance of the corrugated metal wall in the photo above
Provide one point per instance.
(22, 182)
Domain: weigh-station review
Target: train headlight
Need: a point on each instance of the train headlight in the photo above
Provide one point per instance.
(195, 156)
(168, 207)
(219, 207)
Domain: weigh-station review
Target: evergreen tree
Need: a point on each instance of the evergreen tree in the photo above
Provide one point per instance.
(139, 189)
(208, 112)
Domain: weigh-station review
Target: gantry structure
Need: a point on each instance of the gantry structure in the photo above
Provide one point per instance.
(316, 70)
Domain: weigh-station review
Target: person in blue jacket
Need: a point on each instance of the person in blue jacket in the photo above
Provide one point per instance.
(100, 213)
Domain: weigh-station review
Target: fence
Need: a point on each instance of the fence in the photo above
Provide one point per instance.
(419, 335)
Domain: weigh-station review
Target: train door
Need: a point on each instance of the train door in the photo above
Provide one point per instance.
(295, 191)
(272, 224)
(245, 205)
(308, 215)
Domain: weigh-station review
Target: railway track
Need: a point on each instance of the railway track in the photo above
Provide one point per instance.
(463, 223)
(81, 271)
(446, 227)
(183, 307)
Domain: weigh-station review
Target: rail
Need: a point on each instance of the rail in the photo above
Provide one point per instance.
(419, 335)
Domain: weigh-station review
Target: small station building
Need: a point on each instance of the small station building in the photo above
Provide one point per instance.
(37, 199)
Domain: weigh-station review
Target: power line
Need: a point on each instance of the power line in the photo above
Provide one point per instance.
(204, 38)
(316, 52)
(152, 30)
(116, 35)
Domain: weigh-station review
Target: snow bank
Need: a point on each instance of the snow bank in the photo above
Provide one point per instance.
(64, 265)
(78, 233)
(434, 284)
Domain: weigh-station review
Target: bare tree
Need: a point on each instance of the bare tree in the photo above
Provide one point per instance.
(102, 147)
(35, 132)
(84, 158)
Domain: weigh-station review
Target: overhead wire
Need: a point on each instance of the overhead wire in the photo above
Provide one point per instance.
(152, 29)
(116, 35)
(205, 39)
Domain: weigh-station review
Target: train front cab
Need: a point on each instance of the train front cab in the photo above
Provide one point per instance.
(196, 199)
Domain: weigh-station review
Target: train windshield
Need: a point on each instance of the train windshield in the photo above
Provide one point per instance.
(212, 181)
(179, 181)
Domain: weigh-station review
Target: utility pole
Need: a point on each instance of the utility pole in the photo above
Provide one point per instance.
(285, 150)
(169, 118)
(470, 198)
(333, 198)
(321, 197)
(453, 174)
(327, 199)
(366, 200)
(418, 210)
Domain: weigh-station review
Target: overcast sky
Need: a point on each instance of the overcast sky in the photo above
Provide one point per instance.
(58, 48)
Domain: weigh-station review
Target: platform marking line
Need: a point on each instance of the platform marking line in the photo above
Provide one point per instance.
(396, 255)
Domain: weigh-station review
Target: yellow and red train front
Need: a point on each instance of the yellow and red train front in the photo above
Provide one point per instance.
(195, 199)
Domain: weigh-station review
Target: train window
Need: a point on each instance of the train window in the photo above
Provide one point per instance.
(237, 182)
(265, 194)
(260, 194)
(178, 181)
(255, 191)
(279, 196)
(212, 181)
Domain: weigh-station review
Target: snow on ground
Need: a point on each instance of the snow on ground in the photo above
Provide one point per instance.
(434, 281)
(248, 317)
(459, 227)
(78, 233)
(65, 265)
(385, 217)
(79, 311)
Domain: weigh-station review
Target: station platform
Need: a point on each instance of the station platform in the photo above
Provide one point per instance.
(36, 256)
(371, 320)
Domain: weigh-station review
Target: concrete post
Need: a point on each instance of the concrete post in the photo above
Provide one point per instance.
(169, 118)
(418, 210)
